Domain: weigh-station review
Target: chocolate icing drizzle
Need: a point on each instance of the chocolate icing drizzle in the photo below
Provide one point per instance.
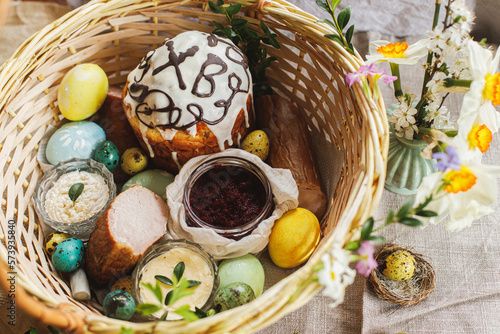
(175, 60)
(140, 93)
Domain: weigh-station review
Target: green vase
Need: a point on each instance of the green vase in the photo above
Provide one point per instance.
(405, 167)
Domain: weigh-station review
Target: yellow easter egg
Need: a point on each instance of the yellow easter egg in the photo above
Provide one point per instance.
(400, 266)
(293, 238)
(257, 143)
(82, 91)
(133, 161)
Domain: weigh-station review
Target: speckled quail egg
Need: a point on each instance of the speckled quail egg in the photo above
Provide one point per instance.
(233, 295)
(107, 153)
(119, 304)
(133, 161)
(124, 283)
(257, 143)
(53, 240)
(400, 266)
(68, 255)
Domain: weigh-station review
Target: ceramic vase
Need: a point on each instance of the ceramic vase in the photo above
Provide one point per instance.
(405, 166)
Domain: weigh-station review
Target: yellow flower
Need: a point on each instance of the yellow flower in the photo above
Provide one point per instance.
(393, 50)
(492, 88)
(480, 136)
(461, 180)
(398, 53)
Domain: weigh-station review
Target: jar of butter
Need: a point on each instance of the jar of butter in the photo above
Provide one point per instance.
(159, 263)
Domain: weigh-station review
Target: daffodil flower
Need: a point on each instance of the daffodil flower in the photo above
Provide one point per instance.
(398, 53)
(480, 137)
(464, 195)
(478, 104)
(336, 274)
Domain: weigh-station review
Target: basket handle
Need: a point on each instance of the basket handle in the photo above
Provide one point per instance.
(255, 10)
(70, 322)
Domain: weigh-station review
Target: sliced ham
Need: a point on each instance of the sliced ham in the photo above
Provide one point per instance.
(134, 221)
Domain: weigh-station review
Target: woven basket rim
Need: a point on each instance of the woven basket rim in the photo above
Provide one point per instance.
(370, 184)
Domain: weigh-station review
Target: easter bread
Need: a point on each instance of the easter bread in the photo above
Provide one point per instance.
(134, 221)
(191, 96)
(290, 148)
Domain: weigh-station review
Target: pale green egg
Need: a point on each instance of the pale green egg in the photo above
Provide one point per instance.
(153, 179)
(245, 269)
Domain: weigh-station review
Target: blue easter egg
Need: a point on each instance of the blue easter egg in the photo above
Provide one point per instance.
(68, 255)
(119, 304)
(74, 140)
(107, 153)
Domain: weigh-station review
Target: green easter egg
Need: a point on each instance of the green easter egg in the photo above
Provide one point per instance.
(153, 179)
(107, 153)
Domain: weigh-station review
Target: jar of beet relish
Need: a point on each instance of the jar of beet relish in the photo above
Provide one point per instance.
(229, 195)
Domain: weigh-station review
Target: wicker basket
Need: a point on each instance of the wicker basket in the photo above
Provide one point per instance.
(116, 34)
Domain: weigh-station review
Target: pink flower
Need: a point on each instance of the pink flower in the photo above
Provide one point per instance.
(371, 70)
(367, 263)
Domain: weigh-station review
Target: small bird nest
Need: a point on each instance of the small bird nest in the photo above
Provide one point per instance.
(404, 293)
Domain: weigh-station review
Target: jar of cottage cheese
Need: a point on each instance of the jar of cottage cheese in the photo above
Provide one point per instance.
(57, 209)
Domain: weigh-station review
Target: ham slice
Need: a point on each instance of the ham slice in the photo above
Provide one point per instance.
(134, 221)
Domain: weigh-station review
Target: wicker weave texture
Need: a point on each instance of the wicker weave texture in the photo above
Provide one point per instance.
(116, 34)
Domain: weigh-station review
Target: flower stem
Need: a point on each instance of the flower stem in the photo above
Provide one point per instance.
(426, 131)
(397, 84)
(449, 82)
(423, 102)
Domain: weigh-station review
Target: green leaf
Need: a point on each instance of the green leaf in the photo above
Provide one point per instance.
(200, 313)
(457, 19)
(350, 48)
(233, 9)
(168, 298)
(274, 43)
(55, 331)
(265, 28)
(335, 4)
(75, 191)
(335, 37)
(164, 316)
(409, 221)
(220, 2)
(239, 24)
(156, 290)
(214, 8)
(390, 217)
(218, 25)
(252, 34)
(186, 313)
(179, 270)
(323, 5)
(32, 330)
(147, 309)
(164, 280)
(404, 210)
(327, 21)
(426, 213)
(376, 238)
(192, 284)
(367, 228)
(424, 204)
(352, 245)
(124, 330)
(349, 34)
(344, 17)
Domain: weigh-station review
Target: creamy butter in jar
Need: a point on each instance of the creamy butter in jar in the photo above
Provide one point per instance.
(160, 260)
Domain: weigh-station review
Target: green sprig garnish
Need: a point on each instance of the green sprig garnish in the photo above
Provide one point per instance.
(247, 39)
(339, 23)
(75, 191)
(181, 288)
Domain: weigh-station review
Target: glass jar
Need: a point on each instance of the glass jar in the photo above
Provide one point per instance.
(161, 259)
(229, 195)
(80, 229)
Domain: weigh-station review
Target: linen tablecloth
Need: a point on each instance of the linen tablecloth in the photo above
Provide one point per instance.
(467, 294)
